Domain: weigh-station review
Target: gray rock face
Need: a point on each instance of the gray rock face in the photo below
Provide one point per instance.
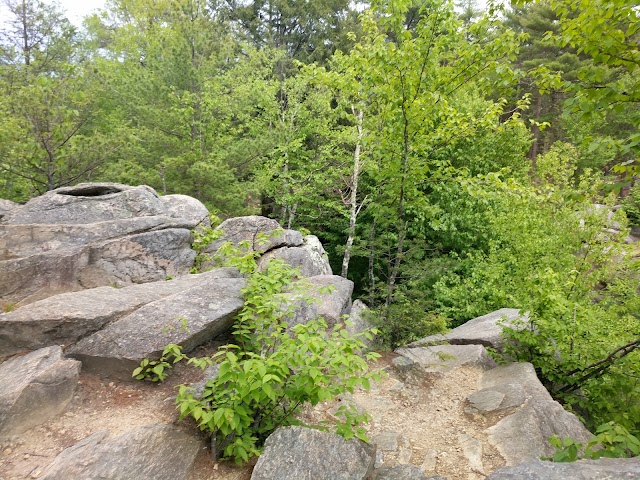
(64, 319)
(7, 208)
(154, 452)
(601, 469)
(209, 309)
(333, 295)
(94, 235)
(297, 453)
(279, 238)
(484, 330)
(358, 320)
(35, 388)
(310, 259)
(523, 436)
(141, 258)
(497, 399)
(443, 358)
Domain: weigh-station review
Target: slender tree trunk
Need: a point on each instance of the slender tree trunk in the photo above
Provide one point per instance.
(292, 215)
(285, 187)
(51, 172)
(535, 129)
(402, 227)
(25, 36)
(353, 201)
(372, 259)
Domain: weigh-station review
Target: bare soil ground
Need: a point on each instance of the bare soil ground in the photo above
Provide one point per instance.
(420, 421)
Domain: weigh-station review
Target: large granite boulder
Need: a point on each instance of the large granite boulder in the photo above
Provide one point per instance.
(294, 453)
(186, 208)
(66, 318)
(601, 469)
(265, 236)
(90, 203)
(523, 435)
(153, 452)
(310, 258)
(208, 309)
(331, 295)
(94, 235)
(35, 388)
(485, 330)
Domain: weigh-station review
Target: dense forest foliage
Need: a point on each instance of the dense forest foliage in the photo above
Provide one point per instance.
(452, 161)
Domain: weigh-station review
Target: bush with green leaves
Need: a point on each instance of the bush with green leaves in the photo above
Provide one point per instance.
(553, 254)
(264, 380)
(256, 392)
(611, 441)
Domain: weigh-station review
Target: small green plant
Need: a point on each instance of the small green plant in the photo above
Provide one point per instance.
(8, 307)
(157, 370)
(202, 238)
(611, 440)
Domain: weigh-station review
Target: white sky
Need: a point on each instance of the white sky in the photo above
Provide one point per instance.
(77, 9)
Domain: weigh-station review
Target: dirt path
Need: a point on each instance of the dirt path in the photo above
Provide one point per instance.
(420, 421)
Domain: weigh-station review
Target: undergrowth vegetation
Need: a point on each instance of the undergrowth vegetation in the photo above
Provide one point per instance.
(274, 368)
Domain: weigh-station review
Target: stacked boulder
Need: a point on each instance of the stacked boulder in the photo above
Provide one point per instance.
(94, 235)
(98, 276)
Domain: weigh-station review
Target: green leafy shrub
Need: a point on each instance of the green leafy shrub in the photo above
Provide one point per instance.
(255, 393)
(611, 441)
(274, 369)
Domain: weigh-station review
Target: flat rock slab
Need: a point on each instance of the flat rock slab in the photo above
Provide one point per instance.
(154, 452)
(485, 330)
(298, 453)
(35, 388)
(601, 469)
(208, 309)
(443, 358)
(332, 295)
(524, 435)
(64, 319)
